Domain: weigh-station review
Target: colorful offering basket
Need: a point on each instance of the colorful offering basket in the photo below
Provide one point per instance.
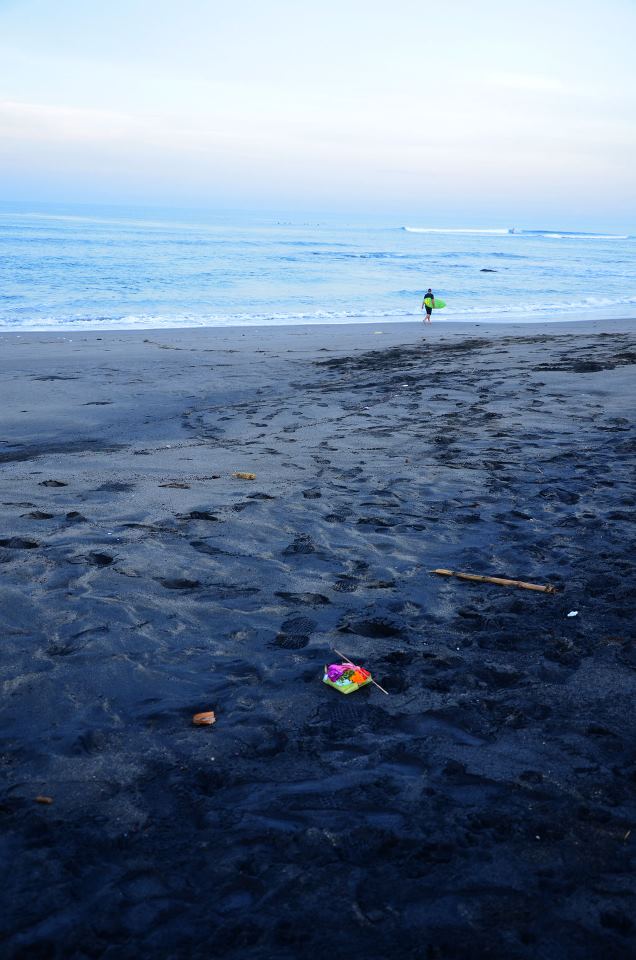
(346, 677)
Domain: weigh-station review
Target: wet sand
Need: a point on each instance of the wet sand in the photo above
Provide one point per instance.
(485, 808)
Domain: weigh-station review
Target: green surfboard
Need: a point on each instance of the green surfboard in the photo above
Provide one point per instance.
(437, 305)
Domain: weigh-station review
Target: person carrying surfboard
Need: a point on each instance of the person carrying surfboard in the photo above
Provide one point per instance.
(430, 297)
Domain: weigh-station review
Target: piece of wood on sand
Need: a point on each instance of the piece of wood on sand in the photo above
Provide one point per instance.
(502, 581)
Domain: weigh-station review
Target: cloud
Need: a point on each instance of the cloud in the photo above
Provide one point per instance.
(34, 121)
(77, 127)
(529, 82)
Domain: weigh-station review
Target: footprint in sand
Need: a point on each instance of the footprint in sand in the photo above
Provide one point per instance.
(198, 515)
(18, 543)
(346, 585)
(179, 583)
(202, 547)
(115, 487)
(76, 517)
(295, 633)
(304, 599)
(303, 543)
(100, 559)
(376, 628)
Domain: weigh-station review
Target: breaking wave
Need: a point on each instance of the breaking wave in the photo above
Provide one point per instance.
(548, 234)
(496, 312)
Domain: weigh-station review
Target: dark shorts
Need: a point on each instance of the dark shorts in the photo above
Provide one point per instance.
(429, 311)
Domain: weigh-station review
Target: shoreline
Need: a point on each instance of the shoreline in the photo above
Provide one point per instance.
(487, 800)
(348, 331)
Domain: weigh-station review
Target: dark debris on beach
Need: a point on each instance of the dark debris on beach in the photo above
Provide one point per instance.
(484, 809)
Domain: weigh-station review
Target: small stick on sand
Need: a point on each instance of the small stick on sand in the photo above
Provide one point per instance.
(352, 664)
(478, 578)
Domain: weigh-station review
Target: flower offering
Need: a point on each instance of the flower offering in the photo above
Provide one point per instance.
(346, 677)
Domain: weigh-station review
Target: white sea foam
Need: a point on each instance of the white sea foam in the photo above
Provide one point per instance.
(579, 236)
(497, 313)
(548, 234)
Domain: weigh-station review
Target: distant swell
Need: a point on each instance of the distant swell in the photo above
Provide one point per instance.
(453, 230)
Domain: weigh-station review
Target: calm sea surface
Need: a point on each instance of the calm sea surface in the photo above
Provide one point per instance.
(78, 268)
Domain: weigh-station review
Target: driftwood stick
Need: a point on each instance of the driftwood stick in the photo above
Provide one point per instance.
(478, 578)
(352, 664)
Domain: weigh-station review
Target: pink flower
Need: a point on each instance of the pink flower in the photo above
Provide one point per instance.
(335, 671)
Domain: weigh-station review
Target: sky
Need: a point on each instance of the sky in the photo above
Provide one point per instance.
(499, 112)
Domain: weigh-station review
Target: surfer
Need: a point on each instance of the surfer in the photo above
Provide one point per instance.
(430, 296)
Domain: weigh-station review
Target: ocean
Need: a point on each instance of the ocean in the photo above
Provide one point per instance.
(79, 267)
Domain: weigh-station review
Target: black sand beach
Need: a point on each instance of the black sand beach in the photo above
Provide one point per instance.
(485, 808)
